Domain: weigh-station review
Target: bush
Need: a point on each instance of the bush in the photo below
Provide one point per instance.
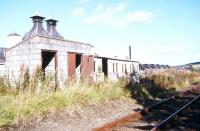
(5, 86)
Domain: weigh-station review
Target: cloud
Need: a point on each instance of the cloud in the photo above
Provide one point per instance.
(140, 16)
(79, 11)
(117, 16)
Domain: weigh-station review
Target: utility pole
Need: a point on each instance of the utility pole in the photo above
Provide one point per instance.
(130, 53)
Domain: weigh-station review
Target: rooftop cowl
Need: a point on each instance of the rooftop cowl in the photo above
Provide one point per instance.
(37, 28)
(51, 28)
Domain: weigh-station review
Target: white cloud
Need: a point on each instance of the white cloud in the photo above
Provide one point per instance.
(79, 11)
(139, 16)
(117, 15)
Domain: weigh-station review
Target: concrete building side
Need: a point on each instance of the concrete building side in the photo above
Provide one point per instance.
(196, 66)
(28, 53)
(115, 68)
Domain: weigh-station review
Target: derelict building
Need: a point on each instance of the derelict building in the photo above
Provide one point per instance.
(49, 50)
(64, 58)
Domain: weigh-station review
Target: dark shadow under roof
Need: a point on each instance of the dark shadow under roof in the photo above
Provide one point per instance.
(118, 59)
(2, 54)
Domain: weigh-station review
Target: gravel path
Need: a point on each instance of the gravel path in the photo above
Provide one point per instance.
(83, 119)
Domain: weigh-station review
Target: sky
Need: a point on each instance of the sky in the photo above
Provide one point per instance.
(159, 31)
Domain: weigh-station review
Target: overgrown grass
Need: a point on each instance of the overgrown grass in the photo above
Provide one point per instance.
(160, 85)
(35, 95)
(15, 107)
(174, 79)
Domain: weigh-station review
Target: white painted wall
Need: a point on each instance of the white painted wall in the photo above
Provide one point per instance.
(197, 66)
(123, 68)
(113, 74)
(98, 74)
(50, 69)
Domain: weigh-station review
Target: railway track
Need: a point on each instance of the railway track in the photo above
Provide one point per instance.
(180, 112)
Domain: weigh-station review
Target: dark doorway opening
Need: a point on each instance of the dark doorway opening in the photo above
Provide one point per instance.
(49, 63)
(78, 60)
(105, 66)
(47, 57)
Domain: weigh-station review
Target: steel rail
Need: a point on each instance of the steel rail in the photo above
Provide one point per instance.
(174, 114)
(137, 115)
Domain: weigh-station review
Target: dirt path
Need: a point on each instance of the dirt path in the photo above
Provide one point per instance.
(82, 119)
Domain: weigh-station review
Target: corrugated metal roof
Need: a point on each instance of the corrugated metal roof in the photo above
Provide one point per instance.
(157, 66)
(194, 63)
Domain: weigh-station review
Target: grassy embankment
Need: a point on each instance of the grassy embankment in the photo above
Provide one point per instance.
(35, 96)
(163, 84)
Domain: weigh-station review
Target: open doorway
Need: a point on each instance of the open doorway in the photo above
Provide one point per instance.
(78, 60)
(105, 66)
(79, 66)
(49, 61)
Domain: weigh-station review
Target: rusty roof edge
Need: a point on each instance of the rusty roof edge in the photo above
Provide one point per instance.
(116, 59)
(50, 38)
